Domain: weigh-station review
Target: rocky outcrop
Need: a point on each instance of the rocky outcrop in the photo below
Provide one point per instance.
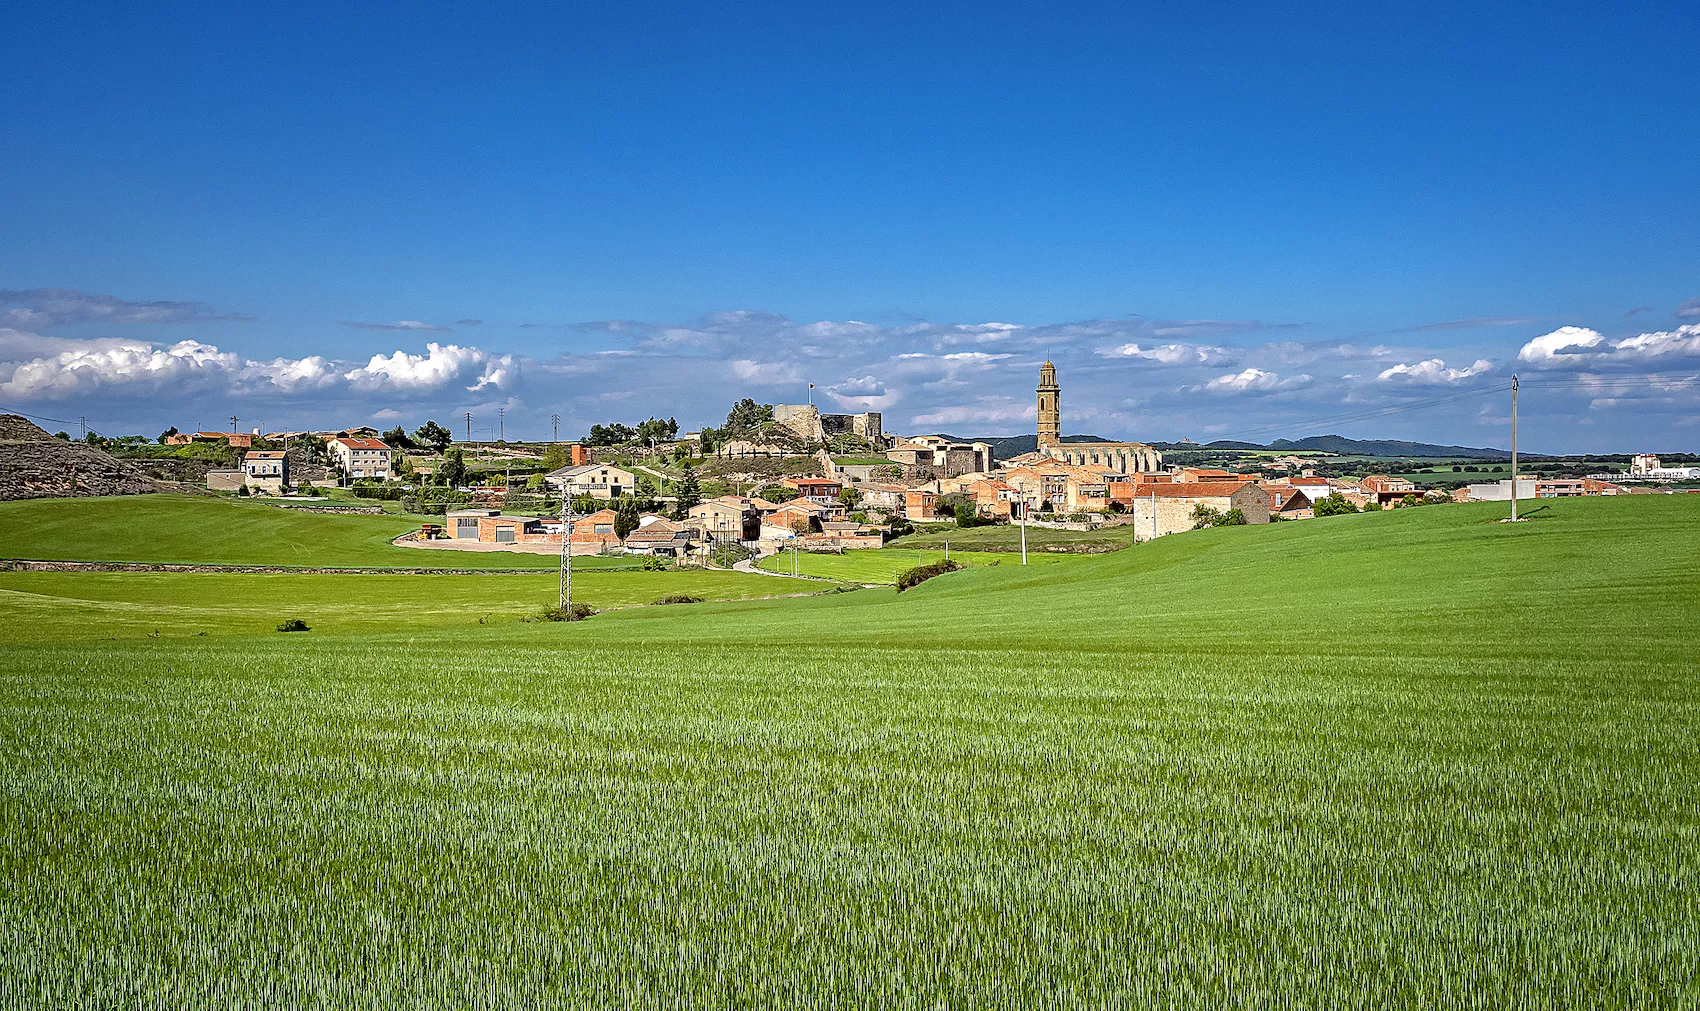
(34, 464)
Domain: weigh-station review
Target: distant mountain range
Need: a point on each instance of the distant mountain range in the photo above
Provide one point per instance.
(1015, 445)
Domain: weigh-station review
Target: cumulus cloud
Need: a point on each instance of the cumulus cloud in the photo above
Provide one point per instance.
(1170, 354)
(1584, 348)
(864, 386)
(1566, 340)
(1433, 372)
(406, 325)
(440, 366)
(191, 367)
(1253, 381)
(43, 308)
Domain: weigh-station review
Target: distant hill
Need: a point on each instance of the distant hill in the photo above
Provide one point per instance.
(1343, 446)
(1004, 447)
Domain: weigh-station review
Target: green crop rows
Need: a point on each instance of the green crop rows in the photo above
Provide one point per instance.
(1405, 759)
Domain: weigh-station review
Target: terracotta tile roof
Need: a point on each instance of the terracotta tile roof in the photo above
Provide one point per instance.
(1194, 489)
(361, 443)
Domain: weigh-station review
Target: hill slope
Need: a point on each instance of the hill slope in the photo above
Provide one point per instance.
(34, 464)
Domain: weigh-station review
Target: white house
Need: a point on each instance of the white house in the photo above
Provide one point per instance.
(598, 480)
(361, 457)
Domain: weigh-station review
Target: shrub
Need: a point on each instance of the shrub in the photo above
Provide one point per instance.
(679, 598)
(1204, 516)
(921, 573)
(293, 625)
(653, 564)
(577, 612)
(1334, 504)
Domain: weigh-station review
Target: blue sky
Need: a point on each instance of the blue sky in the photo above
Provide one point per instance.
(653, 211)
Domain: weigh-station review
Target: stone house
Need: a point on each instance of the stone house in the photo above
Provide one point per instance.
(266, 470)
(941, 457)
(661, 537)
(1166, 508)
(598, 480)
(728, 517)
(918, 504)
(824, 490)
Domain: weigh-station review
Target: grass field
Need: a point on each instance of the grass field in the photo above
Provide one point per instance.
(64, 606)
(1414, 758)
(205, 530)
(1006, 537)
(881, 565)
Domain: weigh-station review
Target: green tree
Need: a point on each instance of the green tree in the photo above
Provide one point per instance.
(850, 498)
(1411, 500)
(687, 491)
(1334, 504)
(433, 436)
(746, 418)
(453, 470)
(625, 517)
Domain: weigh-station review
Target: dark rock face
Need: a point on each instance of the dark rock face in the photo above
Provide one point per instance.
(34, 464)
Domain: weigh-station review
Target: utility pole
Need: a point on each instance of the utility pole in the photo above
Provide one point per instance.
(566, 552)
(233, 420)
(469, 426)
(1024, 529)
(1153, 510)
(555, 420)
(1514, 447)
(501, 428)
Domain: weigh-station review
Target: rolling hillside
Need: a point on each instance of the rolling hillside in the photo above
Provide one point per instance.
(1417, 758)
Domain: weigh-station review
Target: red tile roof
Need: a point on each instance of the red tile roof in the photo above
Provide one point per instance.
(361, 443)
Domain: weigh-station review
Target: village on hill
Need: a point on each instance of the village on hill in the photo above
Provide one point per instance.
(771, 478)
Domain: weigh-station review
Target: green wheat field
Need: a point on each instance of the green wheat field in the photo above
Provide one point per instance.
(1413, 759)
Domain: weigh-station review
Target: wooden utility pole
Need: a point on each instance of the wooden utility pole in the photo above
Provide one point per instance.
(566, 553)
(1514, 448)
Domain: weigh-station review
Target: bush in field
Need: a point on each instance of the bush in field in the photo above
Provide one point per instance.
(293, 625)
(577, 612)
(679, 598)
(921, 573)
(1204, 516)
(651, 563)
(1334, 504)
(1411, 500)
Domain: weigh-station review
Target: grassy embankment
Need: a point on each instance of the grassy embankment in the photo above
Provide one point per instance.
(1402, 759)
(218, 531)
(882, 565)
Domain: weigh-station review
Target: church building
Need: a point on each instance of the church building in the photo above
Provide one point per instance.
(1121, 457)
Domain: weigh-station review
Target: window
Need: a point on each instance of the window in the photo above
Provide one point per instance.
(604, 528)
(504, 535)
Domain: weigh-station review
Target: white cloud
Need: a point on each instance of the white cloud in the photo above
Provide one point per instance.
(142, 369)
(1582, 347)
(1169, 354)
(864, 386)
(134, 369)
(765, 373)
(1689, 309)
(1684, 340)
(1566, 341)
(1433, 372)
(1253, 381)
(827, 328)
(440, 366)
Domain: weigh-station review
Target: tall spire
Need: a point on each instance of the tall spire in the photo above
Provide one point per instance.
(1050, 406)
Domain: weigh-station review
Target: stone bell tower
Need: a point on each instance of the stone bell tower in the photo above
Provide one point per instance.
(1050, 406)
